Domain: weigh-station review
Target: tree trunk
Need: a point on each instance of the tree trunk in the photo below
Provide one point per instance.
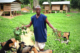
(35, 3)
(68, 8)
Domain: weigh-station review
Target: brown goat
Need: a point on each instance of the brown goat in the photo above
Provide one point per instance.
(8, 45)
(36, 51)
(65, 35)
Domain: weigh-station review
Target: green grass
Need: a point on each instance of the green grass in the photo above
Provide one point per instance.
(65, 24)
(59, 20)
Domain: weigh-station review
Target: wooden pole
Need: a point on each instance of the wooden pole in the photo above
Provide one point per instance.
(66, 11)
(13, 13)
(68, 8)
(16, 13)
(4, 13)
(45, 11)
(10, 13)
(0, 7)
(20, 12)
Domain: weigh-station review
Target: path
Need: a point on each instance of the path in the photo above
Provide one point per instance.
(27, 38)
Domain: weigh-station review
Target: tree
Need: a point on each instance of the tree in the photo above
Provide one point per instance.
(75, 3)
(41, 1)
(35, 3)
(31, 3)
(25, 1)
(49, 1)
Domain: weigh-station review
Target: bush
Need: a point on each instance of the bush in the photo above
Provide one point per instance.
(75, 4)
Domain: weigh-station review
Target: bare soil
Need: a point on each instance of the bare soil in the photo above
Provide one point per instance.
(10, 17)
(68, 15)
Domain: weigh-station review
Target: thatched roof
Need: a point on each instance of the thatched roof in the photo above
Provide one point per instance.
(8, 1)
(57, 2)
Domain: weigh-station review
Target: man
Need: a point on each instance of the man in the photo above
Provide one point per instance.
(40, 31)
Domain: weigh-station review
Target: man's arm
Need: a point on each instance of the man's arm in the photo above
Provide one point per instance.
(49, 24)
(29, 24)
(25, 25)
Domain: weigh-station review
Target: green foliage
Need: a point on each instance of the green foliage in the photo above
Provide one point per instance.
(24, 32)
(31, 3)
(18, 33)
(25, 28)
(18, 38)
(25, 1)
(41, 1)
(22, 6)
(75, 3)
(49, 1)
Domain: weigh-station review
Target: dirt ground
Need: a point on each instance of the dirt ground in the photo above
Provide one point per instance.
(10, 17)
(68, 15)
(27, 37)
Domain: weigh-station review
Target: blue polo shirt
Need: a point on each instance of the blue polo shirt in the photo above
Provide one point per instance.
(40, 29)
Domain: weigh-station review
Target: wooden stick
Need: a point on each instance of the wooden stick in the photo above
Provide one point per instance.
(4, 13)
(16, 13)
(10, 13)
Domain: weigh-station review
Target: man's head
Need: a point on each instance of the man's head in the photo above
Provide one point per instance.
(38, 9)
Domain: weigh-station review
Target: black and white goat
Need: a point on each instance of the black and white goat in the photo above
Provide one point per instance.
(23, 48)
(8, 45)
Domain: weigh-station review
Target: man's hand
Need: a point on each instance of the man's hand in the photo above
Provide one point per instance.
(23, 27)
(54, 30)
(17, 28)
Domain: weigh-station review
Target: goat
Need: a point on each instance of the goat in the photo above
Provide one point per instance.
(65, 35)
(23, 48)
(28, 49)
(8, 45)
(2, 44)
(36, 51)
